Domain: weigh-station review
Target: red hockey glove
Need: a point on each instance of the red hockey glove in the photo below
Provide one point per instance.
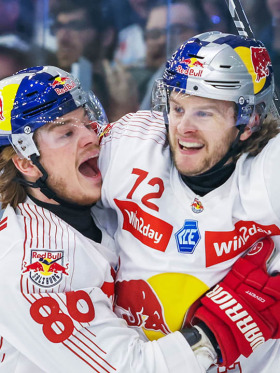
(243, 310)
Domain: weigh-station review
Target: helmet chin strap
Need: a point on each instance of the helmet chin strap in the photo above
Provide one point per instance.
(41, 183)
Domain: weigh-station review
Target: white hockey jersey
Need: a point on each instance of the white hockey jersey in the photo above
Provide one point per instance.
(173, 245)
(56, 315)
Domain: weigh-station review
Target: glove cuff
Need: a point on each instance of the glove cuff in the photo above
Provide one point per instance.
(212, 339)
(223, 335)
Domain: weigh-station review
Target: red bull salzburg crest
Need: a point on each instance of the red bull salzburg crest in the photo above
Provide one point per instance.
(46, 268)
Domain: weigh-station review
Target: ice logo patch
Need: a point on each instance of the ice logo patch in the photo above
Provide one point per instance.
(188, 237)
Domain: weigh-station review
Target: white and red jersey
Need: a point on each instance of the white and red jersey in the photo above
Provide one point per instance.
(173, 245)
(56, 291)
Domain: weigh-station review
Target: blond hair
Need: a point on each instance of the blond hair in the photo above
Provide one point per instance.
(11, 191)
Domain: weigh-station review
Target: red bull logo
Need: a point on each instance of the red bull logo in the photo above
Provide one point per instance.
(197, 206)
(159, 303)
(1, 108)
(190, 66)
(66, 83)
(147, 311)
(192, 62)
(261, 62)
(59, 81)
(46, 268)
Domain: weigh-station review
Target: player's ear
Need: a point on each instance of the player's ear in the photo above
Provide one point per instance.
(249, 129)
(26, 167)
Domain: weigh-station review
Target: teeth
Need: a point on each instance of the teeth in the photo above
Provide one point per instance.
(190, 145)
(91, 157)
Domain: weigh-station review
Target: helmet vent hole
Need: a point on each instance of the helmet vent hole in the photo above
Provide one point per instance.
(53, 77)
(224, 84)
(31, 93)
(225, 66)
(34, 111)
(195, 56)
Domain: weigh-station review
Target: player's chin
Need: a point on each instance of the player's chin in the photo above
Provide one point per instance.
(92, 192)
(91, 185)
(88, 198)
(188, 168)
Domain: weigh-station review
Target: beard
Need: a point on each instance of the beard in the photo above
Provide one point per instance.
(206, 161)
(63, 190)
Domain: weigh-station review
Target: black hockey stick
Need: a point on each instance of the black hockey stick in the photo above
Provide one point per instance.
(239, 18)
(243, 27)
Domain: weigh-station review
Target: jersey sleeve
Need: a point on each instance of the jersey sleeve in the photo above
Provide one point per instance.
(271, 173)
(263, 182)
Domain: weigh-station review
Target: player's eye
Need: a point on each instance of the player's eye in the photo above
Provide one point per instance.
(203, 114)
(68, 134)
(178, 109)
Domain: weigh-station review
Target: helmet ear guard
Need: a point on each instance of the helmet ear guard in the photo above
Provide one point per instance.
(220, 66)
(24, 145)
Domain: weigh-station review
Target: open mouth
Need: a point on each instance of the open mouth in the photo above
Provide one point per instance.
(89, 168)
(190, 145)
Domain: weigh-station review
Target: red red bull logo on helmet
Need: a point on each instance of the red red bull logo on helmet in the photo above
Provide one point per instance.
(66, 83)
(46, 268)
(261, 62)
(1, 107)
(190, 66)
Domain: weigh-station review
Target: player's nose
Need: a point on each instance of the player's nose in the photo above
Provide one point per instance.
(186, 124)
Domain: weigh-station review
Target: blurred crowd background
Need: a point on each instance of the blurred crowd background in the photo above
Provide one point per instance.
(118, 48)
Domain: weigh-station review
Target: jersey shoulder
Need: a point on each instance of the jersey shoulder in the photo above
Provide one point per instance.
(141, 125)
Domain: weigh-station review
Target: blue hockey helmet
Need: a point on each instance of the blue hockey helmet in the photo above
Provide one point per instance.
(220, 66)
(36, 96)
